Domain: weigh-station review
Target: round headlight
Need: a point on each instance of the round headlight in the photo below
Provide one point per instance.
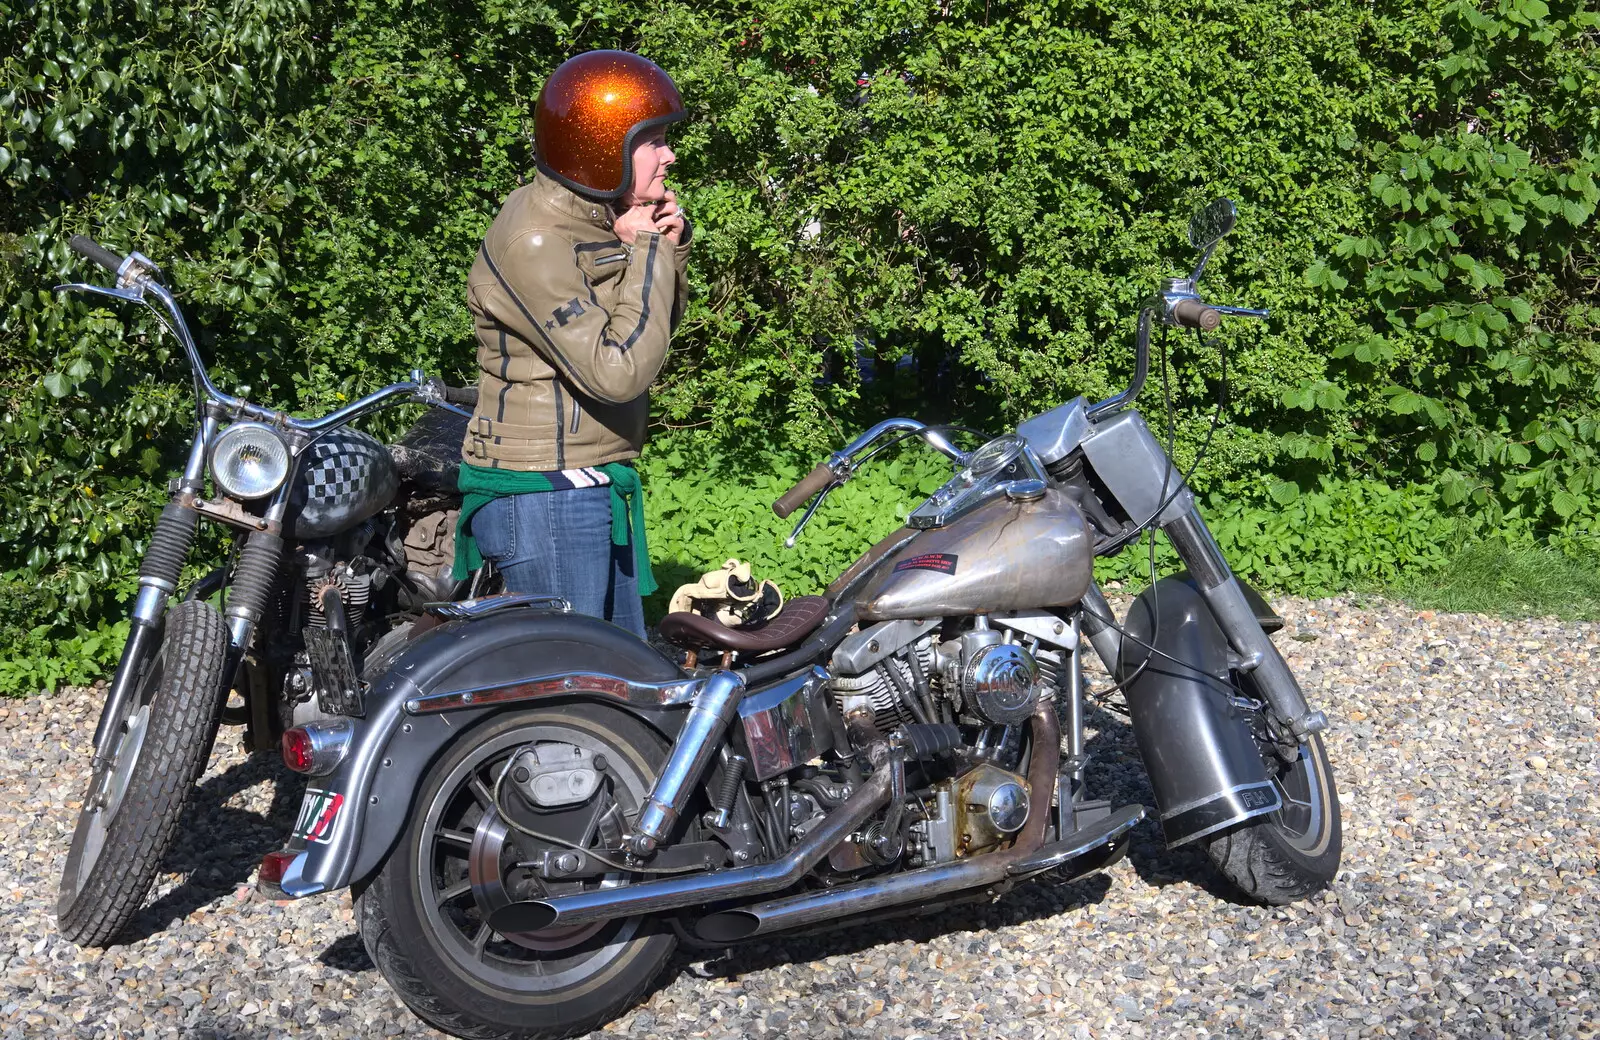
(249, 460)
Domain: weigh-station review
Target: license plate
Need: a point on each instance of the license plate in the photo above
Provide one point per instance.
(318, 814)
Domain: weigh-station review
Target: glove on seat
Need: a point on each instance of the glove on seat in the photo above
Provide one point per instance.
(731, 595)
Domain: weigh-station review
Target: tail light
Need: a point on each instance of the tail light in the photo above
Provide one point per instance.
(317, 748)
(274, 867)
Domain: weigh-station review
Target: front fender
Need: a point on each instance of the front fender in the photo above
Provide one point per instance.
(351, 818)
(1204, 764)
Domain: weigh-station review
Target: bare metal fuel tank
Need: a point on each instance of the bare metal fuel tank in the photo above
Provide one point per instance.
(1004, 555)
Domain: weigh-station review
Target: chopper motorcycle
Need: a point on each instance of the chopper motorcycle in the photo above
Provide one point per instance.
(535, 807)
(339, 537)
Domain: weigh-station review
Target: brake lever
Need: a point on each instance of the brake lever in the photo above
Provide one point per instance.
(805, 518)
(1241, 312)
(133, 295)
(449, 408)
(430, 391)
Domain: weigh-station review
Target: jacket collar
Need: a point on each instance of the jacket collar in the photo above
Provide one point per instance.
(569, 203)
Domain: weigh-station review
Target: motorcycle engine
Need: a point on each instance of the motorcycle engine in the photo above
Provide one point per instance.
(876, 694)
(981, 677)
(971, 813)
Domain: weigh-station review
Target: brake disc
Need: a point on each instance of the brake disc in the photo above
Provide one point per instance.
(493, 873)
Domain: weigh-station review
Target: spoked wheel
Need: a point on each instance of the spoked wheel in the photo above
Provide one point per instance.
(467, 853)
(1294, 851)
(131, 809)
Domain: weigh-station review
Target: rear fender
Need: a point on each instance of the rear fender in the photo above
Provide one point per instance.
(1204, 764)
(442, 684)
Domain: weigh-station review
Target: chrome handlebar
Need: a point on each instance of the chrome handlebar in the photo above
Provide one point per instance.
(935, 439)
(842, 463)
(136, 277)
(1165, 306)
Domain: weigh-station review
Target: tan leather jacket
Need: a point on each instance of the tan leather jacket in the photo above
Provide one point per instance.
(572, 329)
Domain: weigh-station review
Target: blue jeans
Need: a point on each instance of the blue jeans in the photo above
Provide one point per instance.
(559, 543)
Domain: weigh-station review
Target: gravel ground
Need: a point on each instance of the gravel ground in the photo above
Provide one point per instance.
(1468, 903)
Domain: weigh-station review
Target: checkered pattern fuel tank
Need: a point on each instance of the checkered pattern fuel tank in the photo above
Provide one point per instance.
(344, 478)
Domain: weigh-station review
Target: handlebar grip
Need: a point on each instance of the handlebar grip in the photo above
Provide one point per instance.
(1192, 314)
(466, 396)
(88, 247)
(796, 496)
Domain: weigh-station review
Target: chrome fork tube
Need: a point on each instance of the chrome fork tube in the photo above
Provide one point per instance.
(1075, 758)
(1257, 654)
(194, 470)
(1096, 613)
(692, 752)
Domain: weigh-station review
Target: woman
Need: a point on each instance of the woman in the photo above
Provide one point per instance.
(575, 292)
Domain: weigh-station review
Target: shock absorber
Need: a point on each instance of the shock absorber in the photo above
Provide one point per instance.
(732, 777)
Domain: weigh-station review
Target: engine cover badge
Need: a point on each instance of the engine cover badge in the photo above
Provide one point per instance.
(1001, 682)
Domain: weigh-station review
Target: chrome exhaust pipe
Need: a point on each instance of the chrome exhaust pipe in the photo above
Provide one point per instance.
(671, 894)
(922, 885)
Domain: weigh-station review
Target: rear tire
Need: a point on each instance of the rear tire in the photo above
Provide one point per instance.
(1293, 852)
(117, 848)
(434, 948)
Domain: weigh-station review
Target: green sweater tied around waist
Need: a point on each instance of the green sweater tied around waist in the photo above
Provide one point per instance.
(481, 485)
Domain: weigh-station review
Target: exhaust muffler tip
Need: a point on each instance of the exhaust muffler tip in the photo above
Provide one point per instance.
(529, 915)
(728, 926)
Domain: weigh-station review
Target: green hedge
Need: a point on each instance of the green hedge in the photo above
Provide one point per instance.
(965, 235)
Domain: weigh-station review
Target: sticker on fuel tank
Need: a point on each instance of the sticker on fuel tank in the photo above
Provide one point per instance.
(944, 563)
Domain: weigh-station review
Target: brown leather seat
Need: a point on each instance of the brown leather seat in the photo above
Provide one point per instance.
(798, 619)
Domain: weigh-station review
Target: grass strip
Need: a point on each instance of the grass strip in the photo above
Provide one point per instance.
(1508, 581)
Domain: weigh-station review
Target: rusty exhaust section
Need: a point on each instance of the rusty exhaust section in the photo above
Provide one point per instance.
(921, 885)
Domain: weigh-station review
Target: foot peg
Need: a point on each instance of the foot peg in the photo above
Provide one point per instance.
(1092, 838)
(923, 741)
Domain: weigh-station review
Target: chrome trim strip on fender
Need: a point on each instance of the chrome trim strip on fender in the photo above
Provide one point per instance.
(678, 693)
(1233, 793)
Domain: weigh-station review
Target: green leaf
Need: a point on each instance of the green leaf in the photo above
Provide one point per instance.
(1565, 504)
(1284, 492)
(56, 384)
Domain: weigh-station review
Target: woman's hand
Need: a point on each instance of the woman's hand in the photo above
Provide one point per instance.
(663, 217)
(635, 219)
(669, 218)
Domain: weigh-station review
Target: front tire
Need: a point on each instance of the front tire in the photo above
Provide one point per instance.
(423, 916)
(132, 807)
(1294, 851)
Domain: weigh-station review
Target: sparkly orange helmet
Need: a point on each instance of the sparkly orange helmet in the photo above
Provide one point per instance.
(590, 112)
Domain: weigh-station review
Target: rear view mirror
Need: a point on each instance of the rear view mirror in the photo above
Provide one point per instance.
(1210, 222)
